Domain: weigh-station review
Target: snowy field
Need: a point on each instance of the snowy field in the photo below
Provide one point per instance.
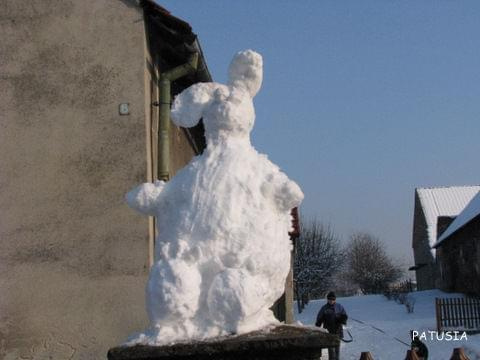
(379, 326)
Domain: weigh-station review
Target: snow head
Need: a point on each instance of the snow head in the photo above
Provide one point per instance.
(227, 111)
(222, 251)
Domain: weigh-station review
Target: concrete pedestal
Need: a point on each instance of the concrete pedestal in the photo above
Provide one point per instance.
(283, 342)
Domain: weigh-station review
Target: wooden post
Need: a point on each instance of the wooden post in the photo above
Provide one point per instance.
(283, 307)
(459, 354)
(411, 355)
(289, 294)
(438, 312)
(366, 356)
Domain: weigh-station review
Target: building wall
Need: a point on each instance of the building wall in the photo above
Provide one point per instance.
(180, 150)
(73, 257)
(459, 258)
(426, 275)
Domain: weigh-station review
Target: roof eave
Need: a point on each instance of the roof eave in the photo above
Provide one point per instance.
(183, 42)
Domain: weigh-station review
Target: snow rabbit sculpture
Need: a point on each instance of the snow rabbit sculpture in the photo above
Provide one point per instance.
(222, 252)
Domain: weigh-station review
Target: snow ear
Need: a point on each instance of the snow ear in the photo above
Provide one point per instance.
(189, 105)
(246, 70)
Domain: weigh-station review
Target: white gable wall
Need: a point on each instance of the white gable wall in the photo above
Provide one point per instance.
(471, 211)
(443, 201)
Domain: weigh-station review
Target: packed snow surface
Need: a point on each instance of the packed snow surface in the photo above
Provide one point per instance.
(382, 327)
(222, 252)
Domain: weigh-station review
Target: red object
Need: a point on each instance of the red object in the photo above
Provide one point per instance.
(295, 233)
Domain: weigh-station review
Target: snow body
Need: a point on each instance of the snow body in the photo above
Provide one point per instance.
(222, 252)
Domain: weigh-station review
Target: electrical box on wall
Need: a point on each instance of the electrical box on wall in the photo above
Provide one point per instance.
(124, 109)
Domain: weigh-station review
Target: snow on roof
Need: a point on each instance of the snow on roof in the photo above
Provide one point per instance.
(471, 211)
(443, 201)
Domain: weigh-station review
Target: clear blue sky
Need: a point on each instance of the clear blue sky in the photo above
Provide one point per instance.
(362, 101)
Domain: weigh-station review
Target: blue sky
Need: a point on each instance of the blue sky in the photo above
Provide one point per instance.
(362, 101)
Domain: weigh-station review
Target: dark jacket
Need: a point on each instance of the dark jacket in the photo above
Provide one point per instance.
(332, 316)
(420, 348)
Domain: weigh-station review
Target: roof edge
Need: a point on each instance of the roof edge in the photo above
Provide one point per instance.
(454, 227)
(445, 187)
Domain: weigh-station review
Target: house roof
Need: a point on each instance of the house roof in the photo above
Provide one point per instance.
(171, 42)
(443, 201)
(471, 211)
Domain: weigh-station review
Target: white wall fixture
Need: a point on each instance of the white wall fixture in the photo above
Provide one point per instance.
(124, 109)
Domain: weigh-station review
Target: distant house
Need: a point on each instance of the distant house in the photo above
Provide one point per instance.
(458, 251)
(433, 207)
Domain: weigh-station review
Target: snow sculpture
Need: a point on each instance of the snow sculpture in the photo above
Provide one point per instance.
(222, 252)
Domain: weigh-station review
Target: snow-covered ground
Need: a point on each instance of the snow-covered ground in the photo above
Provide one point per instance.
(380, 326)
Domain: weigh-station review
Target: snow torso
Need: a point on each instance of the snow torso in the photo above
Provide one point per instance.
(222, 252)
(217, 203)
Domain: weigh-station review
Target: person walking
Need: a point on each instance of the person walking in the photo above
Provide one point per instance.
(332, 316)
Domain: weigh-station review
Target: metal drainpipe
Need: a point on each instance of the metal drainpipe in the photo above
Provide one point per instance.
(165, 99)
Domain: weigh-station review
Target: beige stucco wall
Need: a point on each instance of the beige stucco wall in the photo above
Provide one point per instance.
(73, 256)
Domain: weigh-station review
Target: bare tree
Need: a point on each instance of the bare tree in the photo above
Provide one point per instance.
(368, 264)
(318, 256)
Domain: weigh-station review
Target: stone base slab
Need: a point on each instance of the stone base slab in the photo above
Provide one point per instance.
(282, 342)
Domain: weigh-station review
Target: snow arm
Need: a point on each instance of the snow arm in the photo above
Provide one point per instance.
(189, 105)
(287, 193)
(145, 197)
(290, 195)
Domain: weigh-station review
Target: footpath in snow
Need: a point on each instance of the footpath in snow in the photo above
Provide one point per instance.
(380, 326)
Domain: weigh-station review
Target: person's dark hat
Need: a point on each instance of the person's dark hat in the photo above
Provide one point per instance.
(331, 296)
